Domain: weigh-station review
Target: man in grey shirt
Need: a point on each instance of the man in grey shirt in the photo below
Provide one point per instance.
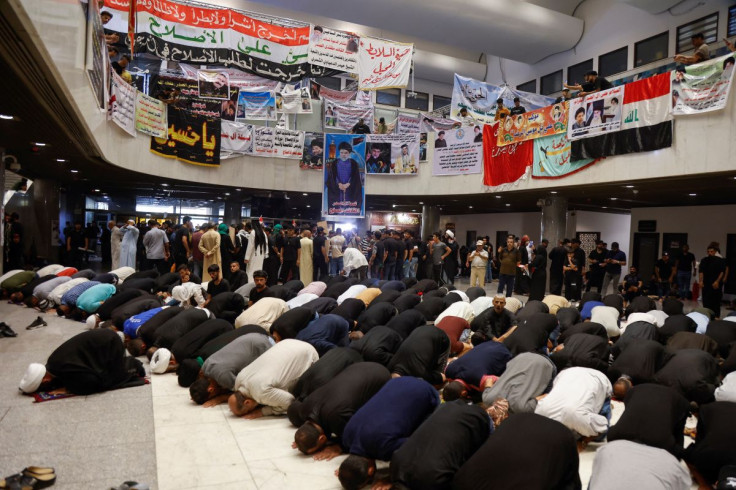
(221, 368)
(439, 251)
(157, 247)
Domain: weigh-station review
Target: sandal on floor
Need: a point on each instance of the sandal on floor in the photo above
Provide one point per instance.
(19, 482)
(43, 480)
(39, 470)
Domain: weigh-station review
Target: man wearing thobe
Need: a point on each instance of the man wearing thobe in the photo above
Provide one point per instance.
(268, 380)
(306, 269)
(423, 354)
(116, 238)
(129, 244)
(525, 379)
(538, 270)
(209, 245)
(467, 372)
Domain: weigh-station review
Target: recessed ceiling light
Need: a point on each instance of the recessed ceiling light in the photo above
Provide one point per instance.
(164, 184)
(74, 171)
(553, 192)
(7, 117)
(309, 205)
(471, 207)
(304, 194)
(421, 202)
(61, 160)
(507, 204)
(413, 210)
(393, 205)
(97, 190)
(498, 197)
(39, 144)
(604, 207)
(614, 198)
(227, 193)
(629, 186)
(238, 190)
(692, 194)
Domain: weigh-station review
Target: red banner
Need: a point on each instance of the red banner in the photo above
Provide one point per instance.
(504, 164)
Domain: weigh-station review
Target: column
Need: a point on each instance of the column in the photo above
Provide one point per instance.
(232, 211)
(430, 220)
(43, 232)
(554, 219)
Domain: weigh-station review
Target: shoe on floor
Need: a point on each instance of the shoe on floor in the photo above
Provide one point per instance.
(6, 331)
(37, 323)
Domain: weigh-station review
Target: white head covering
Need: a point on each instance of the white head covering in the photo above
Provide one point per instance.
(640, 317)
(160, 361)
(513, 304)
(458, 308)
(450, 233)
(91, 321)
(33, 377)
(478, 243)
(181, 294)
(608, 317)
(659, 317)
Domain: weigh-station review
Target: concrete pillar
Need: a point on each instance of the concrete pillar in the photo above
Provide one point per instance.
(554, 219)
(430, 220)
(45, 203)
(232, 211)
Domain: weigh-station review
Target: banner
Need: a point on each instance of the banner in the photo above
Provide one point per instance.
(97, 61)
(318, 91)
(702, 87)
(238, 79)
(431, 124)
(345, 116)
(343, 193)
(646, 123)
(595, 113)
(392, 154)
(552, 158)
(408, 124)
(313, 153)
(256, 106)
(150, 116)
(213, 85)
(535, 124)
(264, 141)
(288, 144)
(334, 49)
(504, 164)
(294, 101)
(236, 139)
(480, 100)
(122, 103)
(461, 153)
(117, 28)
(383, 64)
(192, 138)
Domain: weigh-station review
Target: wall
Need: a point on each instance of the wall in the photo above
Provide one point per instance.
(612, 227)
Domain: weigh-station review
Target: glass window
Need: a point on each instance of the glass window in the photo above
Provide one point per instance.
(419, 101)
(652, 49)
(575, 72)
(440, 101)
(707, 26)
(731, 21)
(390, 96)
(551, 83)
(613, 62)
(530, 86)
(330, 82)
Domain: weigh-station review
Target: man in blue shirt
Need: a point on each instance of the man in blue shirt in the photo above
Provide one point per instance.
(616, 258)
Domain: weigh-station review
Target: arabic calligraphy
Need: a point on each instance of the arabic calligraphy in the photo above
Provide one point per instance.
(190, 137)
(534, 124)
(383, 64)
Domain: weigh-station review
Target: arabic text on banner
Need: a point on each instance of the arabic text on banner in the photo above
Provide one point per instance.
(552, 158)
(534, 124)
(188, 97)
(192, 138)
(288, 144)
(264, 141)
(463, 153)
(407, 124)
(343, 192)
(392, 154)
(256, 106)
(294, 101)
(334, 49)
(122, 104)
(504, 164)
(338, 96)
(150, 116)
(313, 153)
(595, 113)
(345, 116)
(383, 64)
(239, 80)
(431, 124)
(236, 139)
(702, 87)
(213, 85)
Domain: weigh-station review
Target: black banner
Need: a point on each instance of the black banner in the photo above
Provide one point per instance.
(187, 97)
(193, 138)
(637, 140)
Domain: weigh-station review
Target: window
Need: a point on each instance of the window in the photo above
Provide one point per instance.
(419, 101)
(390, 96)
(530, 86)
(651, 49)
(551, 83)
(731, 21)
(440, 101)
(613, 62)
(330, 82)
(708, 26)
(575, 72)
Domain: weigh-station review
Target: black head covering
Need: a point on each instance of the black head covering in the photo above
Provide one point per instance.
(386, 296)
(591, 328)
(336, 279)
(615, 301)
(567, 317)
(589, 296)
(294, 285)
(395, 285)
(147, 274)
(292, 322)
(531, 308)
(436, 293)
(144, 284)
(350, 309)
(640, 304)
(165, 281)
(409, 281)
(282, 292)
(671, 306)
(431, 307)
(634, 332)
(322, 306)
(405, 322)
(451, 298)
(378, 314)
(407, 302)
(475, 292)
(691, 340)
(85, 273)
(724, 333)
(379, 345)
(674, 324)
(335, 290)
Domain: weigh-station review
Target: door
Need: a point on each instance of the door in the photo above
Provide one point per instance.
(470, 238)
(646, 253)
(730, 286)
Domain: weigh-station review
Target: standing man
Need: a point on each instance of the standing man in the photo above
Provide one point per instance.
(451, 262)
(593, 84)
(105, 243)
(319, 256)
(501, 111)
(538, 271)
(306, 272)
(685, 270)
(377, 255)
(557, 258)
(390, 253)
(597, 261)
(180, 241)
(157, 247)
(712, 270)
(209, 245)
(116, 239)
(615, 259)
(438, 251)
(129, 245)
(74, 242)
(337, 244)
(401, 254)
(664, 271)
(197, 255)
(518, 108)
(579, 256)
(510, 259)
(477, 261)
(291, 252)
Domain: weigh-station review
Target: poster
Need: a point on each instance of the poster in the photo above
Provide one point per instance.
(345, 116)
(534, 124)
(256, 106)
(192, 138)
(318, 91)
(97, 61)
(183, 92)
(122, 103)
(504, 164)
(150, 116)
(294, 101)
(595, 113)
(383, 64)
(343, 192)
(462, 153)
(334, 49)
(552, 158)
(288, 144)
(431, 124)
(264, 141)
(213, 85)
(392, 154)
(313, 153)
(408, 124)
(702, 87)
(236, 139)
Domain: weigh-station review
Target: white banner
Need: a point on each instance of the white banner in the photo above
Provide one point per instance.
(264, 141)
(330, 95)
(383, 64)
(408, 124)
(294, 101)
(345, 116)
(702, 87)
(392, 154)
(288, 144)
(235, 139)
(151, 116)
(256, 106)
(429, 123)
(460, 155)
(334, 49)
(122, 104)
(239, 80)
(594, 114)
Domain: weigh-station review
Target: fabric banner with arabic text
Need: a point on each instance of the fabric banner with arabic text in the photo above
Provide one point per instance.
(122, 103)
(219, 36)
(461, 154)
(192, 138)
(187, 96)
(151, 116)
(345, 116)
(97, 61)
(552, 158)
(504, 164)
(343, 192)
(318, 91)
(334, 49)
(392, 154)
(288, 144)
(236, 139)
(407, 124)
(294, 101)
(263, 138)
(383, 64)
(313, 154)
(431, 124)
(596, 113)
(480, 99)
(256, 106)
(538, 123)
(702, 87)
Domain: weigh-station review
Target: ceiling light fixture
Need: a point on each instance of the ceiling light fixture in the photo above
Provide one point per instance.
(61, 160)
(498, 197)
(304, 194)
(6, 117)
(470, 207)
(629, 186)
(164, 184)
(604, 207)
(97, 190)
(39, 144)
(227, 193)
(74, 171)
(422, 202)
(692, 194)
(309, 205)
(507, 204)
(553, 192)
(614, 198)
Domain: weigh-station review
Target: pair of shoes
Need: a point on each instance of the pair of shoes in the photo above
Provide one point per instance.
(42, 475)
(6, 331)
(37, 323)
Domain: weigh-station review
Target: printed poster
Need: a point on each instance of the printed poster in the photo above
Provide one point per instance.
(392, 154)
(595, 113)
(236, 139)
(256, 106)
(288, 144)
(122, 103)
(151, 116)
(462, 153)
(345, 116)
(552, 158)
(264, 141)
(192, 138)
(408, 124)
(334, 49)
(534, 124)
(702, 87)
(343, 193)
(213, 85)
(318, 91)
(294, 101)
(383, 64)
(431, 124)
(313, 154)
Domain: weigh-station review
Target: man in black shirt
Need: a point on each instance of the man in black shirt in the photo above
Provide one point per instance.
(377, 255)
(557, 257)
(494, 323)
(74, 241)
(260, 290)
(401, 254)
(596, 84)
(238, 277)
(597, 262)
(361, 127)
(292, 254)
(685, 270)
(565, 96)
(518, 108)
(423, 354)
(632, 284)
(712, 271)
(320, 259)
(391, 250)
(579, 256)
(538, 271)
(664, 271)
(410, 263)
(217, 284)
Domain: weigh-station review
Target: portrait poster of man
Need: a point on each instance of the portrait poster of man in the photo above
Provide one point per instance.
(344, 176)
(392, 154)
(213, 84)
(314, 151)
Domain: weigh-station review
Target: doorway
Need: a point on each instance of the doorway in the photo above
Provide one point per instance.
(646, 253)
(470, 239)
